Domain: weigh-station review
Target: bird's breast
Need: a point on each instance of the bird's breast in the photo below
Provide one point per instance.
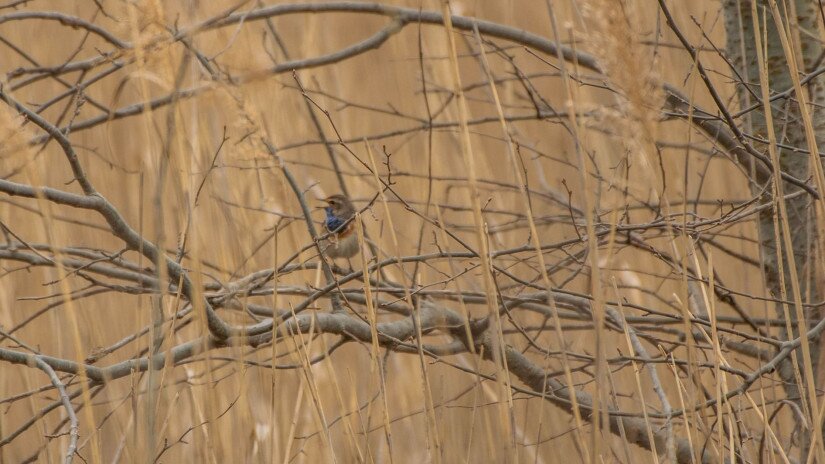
(348, 231)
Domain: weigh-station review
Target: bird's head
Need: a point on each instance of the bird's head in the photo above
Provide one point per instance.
(339, 206)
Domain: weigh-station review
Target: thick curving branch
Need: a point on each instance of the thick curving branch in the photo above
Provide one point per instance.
(71, 449)
(119, 227)
(725, 134)
(66, 20)
(391, 335)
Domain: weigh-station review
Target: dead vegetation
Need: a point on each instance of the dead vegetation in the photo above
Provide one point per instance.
(559, 219)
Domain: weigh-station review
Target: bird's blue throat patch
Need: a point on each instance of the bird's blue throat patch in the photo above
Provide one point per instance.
(333, 222)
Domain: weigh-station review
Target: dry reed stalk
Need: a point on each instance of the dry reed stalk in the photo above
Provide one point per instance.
(782, 219)
(190, 336)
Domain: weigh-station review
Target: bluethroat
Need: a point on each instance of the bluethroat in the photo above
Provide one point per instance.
(342, 242)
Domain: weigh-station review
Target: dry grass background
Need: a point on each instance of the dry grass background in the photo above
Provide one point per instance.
(229, 405)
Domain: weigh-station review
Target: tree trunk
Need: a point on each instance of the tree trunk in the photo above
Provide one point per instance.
(790, 134)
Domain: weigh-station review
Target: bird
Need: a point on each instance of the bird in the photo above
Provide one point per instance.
(342, 241)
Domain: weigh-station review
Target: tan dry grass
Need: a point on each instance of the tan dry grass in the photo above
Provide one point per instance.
(219, 409)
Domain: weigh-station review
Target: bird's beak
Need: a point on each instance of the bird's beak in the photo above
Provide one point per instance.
(324, 205)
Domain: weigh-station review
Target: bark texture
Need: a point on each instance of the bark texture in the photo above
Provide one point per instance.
(793, 154)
